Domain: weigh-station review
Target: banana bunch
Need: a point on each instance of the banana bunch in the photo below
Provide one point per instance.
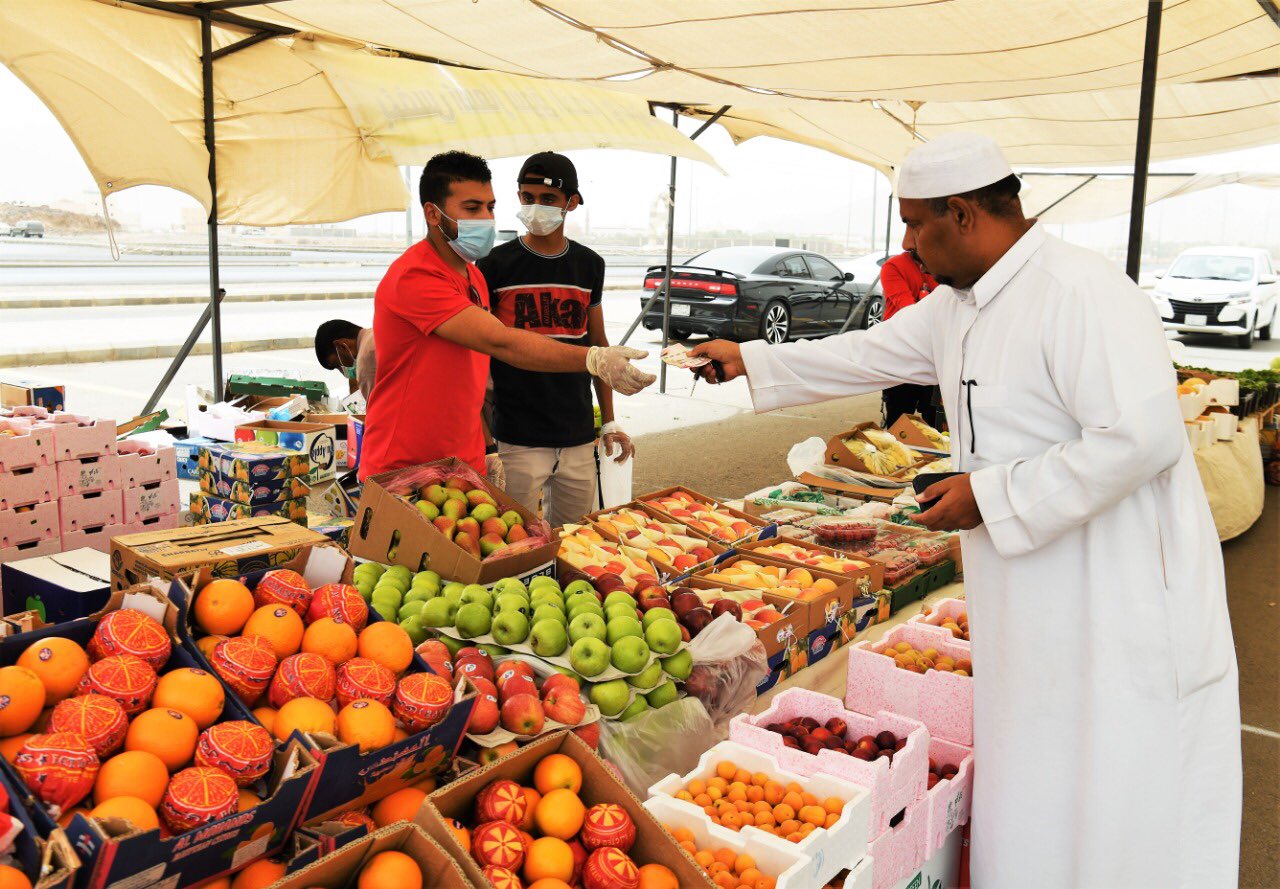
(943, 465)
(940, 440)
(876, 461)
(885, 442)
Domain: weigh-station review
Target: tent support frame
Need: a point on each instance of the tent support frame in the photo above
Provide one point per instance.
(1142, 154)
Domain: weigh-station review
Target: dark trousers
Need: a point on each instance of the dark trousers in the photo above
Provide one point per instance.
(910, 399)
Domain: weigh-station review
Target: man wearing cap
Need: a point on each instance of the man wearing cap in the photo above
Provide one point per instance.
(905, 281)
(545, 283)
(1106, 714)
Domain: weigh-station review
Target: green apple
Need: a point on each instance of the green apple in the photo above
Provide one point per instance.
(619, 609)
(438, 612)
(372, 569)
(494, 650)
(657, 614)
(588, 625)
(399, 571)
(547, 600)
(679, 665)
(611, 697)
(432, 577)
(483, 511)
(580, 596)
(386, 611)
(648, 677)
(413, 626)
(453, 590)
(630, 654)
(542, 580)
(385, 598)
(397, 582)
(623, 627)
(510, 585)
(662, 695)
(429, 510)
(454, 645)
(663, 636)
(549, 612)
(510, 627)
(511, 518)
(548, 638)
(634, 709)
(365, 586)
(620, 596)
(472, 620)
(580, 586)
(511, 602)
(411, 609)
(589, 656)
(420, 594)
(476, 593)
(584, 608)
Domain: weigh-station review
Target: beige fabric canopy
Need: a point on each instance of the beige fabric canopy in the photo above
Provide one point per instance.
(1085, 197)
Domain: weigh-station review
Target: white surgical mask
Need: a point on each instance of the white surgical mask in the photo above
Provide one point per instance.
(540, 219)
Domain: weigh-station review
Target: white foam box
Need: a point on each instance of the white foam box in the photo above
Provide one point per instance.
(88, 474)
(153, 499)
(893, 784)
(93, 510)
(949, 801)
(96, 538)
(30, 524)
(145, 464)
(942, 701)
(941, 870)
(23, 487)
(76, 436)
(941, 611)
(788, 866)
(900, 851)
(861, 876)
(829, 850)
(24, 444)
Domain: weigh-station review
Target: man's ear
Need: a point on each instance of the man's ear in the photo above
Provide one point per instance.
(574, 203)
(963, 211)
(431, 213)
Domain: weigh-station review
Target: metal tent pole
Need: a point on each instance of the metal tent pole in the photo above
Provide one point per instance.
(1142, 154)
(888, 223)
(210, 144)
(666, 277)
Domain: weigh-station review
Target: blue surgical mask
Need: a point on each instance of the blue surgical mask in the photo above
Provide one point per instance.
(349, 372)
(475, 236)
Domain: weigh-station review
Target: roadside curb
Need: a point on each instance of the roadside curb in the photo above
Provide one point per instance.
(138, 353)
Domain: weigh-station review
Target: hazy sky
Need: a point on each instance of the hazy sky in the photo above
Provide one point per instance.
(770, 186)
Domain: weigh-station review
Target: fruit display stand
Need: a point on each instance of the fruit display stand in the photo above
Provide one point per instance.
(894, 782)
(704, 515)
(347, 865)
(824, 558)
(828, 850)
(657, 536)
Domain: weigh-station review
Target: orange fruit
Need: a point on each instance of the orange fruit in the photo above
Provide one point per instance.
(560, 813)
(557, 771)
(726, 770)
(306, 715)
(58, 662)
(815, 815)
(725, 880)
(794, 800)
(195, 692)
(387, 869)
(280, 625)
(130, 808)
(334, 641)
(248, 799)
(367, 724)
(531, 797)
(682, 834)
(266, 716)
(259, 875)
(548, 857)
(12, 878)
(223, 606)
(388, 644)
(22, 698)
(459, 831)
(132, 773)
(548, 883)
(403, 805)
(704, 858)
(833, 805)
(743, 863)
(9, 747)
(749, 875)
(207, 644)
(169, 734)
(65, 818)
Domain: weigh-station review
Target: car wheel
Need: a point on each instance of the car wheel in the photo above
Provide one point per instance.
(680, 333)
(1245, 340)
(875, 312)
(1264, 333)
(775, 326)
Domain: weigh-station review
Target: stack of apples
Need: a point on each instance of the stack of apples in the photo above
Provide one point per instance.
(807, 734)
(794, 583)
(697, 608)
(469, 516)
(814, 558)
(666, 543)
(709, 518)
(587, 550)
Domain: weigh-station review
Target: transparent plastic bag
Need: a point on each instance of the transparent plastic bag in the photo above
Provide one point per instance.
(658, 742)
(729, 661)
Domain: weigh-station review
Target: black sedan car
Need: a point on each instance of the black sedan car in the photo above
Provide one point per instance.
(746, 293)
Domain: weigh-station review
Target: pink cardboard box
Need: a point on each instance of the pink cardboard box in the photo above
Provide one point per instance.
(95, 538)
(950, 800)
(24, 444)
(142, 464)
(947, 608)
(155, 499)
(30, 525)
(899, 852)
(166, 522)
(942, 701)
(49, 547)
(75, 437)
(894, 785)
(22, 487)
(82, 511)
(84, 476)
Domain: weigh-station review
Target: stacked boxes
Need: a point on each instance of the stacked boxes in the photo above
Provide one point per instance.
(250, 480)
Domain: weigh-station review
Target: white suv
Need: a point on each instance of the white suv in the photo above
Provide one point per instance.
(1224, 290)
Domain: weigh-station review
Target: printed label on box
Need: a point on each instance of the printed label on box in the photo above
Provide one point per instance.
(252, 546)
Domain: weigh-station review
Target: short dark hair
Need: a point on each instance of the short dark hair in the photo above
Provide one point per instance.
(329, 333)
(998, 198)
(447, 168)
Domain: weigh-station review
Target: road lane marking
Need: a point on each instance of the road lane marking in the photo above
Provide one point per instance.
(1266, 733)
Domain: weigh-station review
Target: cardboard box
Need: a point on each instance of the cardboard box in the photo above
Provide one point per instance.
(228, 549)
(316, 440)
(390, 530)
(40, 850)
(599, 785)
(868, 579)
(187, 456)
(260, 493)
(906, 432)
(98, 538)
(24, 444)
(247, 384)
(23, 487)
(355, 437)
(252, 462)
(339, 869)
(142, 464)
(838, 453)
(76, 437)
(142, 423)
(341, 424)
(206, 509)
(156, 523)
(31, 550)
(650, 501)
(21, 393)
(85, 475)
(665, 568)
(843, 489)
(142, 502)
(80, 511)
(28, 524)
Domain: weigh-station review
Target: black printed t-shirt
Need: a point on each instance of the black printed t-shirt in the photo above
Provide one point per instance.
(549, 295)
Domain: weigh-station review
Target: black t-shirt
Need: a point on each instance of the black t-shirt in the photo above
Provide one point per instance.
(548, 295)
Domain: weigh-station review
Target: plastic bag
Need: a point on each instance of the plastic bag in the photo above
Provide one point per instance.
(658, 742)
(729, 661)
(614, 478)
(804, 455)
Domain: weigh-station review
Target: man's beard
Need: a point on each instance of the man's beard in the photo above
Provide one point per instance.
(945, 280)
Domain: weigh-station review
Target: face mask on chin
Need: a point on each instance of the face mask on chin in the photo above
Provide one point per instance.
(540, 219)
(475, 236)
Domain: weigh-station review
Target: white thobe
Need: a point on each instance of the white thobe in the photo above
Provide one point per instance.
(1106, 712)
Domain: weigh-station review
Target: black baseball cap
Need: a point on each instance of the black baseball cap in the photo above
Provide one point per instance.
(555, 170)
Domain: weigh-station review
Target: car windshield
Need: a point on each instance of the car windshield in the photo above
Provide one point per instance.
(1213, 268)
(739, 260)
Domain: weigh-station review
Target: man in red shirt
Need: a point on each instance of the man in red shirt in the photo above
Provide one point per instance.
(434, 334)
(905, 282)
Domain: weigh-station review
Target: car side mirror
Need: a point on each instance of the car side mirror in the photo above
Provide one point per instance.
(1267, 279)
(1158, 274)
(848, 276)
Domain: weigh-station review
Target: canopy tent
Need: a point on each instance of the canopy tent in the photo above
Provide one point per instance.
(1086, 197)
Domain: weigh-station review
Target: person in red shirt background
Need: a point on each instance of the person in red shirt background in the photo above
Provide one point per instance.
(434, 335)
(905, 282)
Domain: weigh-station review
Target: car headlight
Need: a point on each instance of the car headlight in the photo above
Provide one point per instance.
(1237, 298)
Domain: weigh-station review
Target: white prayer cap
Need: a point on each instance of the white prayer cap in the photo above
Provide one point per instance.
(953, 163)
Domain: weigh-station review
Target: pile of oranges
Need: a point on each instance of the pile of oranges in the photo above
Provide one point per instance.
(727, 868)
(907, 657)
(315, 664)
(736, 798)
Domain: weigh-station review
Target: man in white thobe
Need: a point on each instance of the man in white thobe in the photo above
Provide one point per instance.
(1106, 715)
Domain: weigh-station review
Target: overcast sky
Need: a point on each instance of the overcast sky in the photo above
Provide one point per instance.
(770, 186)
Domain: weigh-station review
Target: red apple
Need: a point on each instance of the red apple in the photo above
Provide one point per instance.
(590, 734)
(564, 706)
(820, 733)
(559, 680)
(726, 605)
(484, 718)
(517, 685)
(809, 722)
(513, 668)
(789, 741)
(837, 726)
(861, 753)
(522, 715)
(812, 745)
(473, 667)
(886, 740)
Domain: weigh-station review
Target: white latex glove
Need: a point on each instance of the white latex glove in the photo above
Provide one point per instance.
(611, 434)
(612, 365)
(495, 471)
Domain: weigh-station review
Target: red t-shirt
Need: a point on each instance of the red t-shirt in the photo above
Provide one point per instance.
(426, 403)
(904, 284)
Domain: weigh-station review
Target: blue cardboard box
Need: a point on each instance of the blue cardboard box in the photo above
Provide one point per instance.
(252, 461)
(59, 587)
(206, 508)
(187, 451)
(22, 393)
(41, 850)
(250, 493)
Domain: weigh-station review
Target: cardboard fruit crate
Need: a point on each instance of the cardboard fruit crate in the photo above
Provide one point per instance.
(23, 487)
(838, 453)
(949, 801)
(340, 869)
(651, 499)
(24, 444)
(901, 850)
(80, 511)
(85, 475)
(74, 436)
(151, 499)
(142, 464)
(28, 524)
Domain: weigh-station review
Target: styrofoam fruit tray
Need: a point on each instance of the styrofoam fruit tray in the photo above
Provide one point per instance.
(947, 608)
(899, 852)
(827, 850)
(950, 801)
(542, 671)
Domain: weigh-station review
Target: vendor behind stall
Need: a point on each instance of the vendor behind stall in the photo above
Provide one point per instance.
(435, 334)
(347, 347)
